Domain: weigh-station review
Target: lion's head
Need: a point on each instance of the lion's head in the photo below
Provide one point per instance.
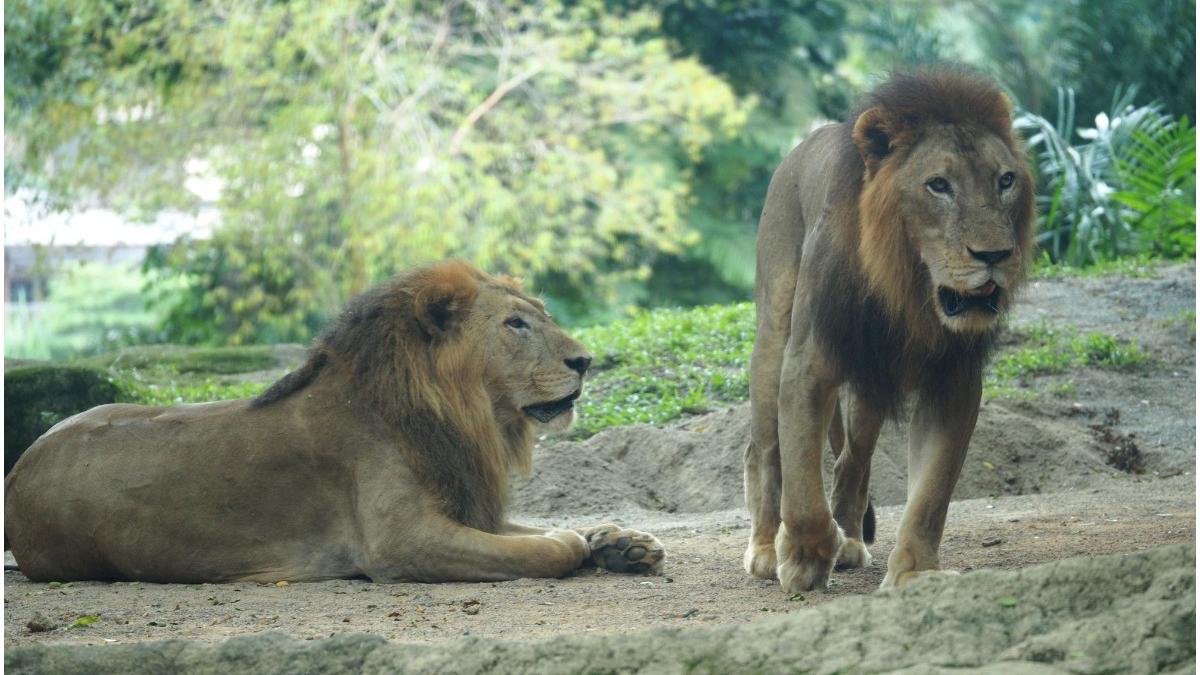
(530, 367)
(462, 366)
(946, 208)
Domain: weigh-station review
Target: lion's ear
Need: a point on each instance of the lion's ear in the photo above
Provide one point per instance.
(874, 133)
(1001, 115)
(443, 296)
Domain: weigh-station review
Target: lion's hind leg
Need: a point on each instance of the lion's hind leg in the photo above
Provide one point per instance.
(762, 477)
(623, 550)
(852, 507)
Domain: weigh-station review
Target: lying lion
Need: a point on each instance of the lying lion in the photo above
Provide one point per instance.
(889, 247)
(385, 455)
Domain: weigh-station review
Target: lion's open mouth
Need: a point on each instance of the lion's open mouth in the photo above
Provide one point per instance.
(544, 412)
(985, 298)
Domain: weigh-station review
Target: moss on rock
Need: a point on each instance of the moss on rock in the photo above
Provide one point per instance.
(200, 360)
(36, 397)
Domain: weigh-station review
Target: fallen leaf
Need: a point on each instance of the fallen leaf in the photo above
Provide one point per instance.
(85, 621)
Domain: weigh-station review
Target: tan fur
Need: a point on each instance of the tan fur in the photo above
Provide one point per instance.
(859, 248)
(385, 455)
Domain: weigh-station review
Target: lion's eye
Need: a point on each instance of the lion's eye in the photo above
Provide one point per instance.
(516, 322)
(1007, 180)
(938, 185)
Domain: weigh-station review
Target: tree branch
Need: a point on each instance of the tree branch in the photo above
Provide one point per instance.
(460, 134)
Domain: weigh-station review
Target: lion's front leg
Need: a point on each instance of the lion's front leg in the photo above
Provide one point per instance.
(434, 548)
(940, 431)
(618, 549)
(809, 540)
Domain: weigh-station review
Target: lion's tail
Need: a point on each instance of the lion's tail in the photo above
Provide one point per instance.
(868, 524)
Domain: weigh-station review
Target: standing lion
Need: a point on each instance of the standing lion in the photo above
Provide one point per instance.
(889, 247)
(385, 455)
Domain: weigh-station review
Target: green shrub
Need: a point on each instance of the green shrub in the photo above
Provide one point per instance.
(1127, 189)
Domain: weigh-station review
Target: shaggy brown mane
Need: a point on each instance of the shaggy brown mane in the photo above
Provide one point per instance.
(403, 352)
(880, 321)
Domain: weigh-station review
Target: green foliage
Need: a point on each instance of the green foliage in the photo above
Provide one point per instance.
(612, 152)
(1093, 47)
(353, 139)
(36, 397)
(756, 45)
(176, 391)
(661, 364)
(1128, 188)
(1157, 172)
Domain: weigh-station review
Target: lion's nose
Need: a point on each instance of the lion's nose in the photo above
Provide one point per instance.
(990, 257)
(579, 364)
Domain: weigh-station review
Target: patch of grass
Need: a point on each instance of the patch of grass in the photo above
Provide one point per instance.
(1184, 318)
(1063, 389)
(1139, 267)
(1048, 351)
(650, 368)
(661, 364)
(173, 392)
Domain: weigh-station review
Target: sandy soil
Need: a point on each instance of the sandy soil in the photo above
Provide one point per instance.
(1040, 484)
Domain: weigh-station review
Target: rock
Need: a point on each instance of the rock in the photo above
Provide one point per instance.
(1128, 614)
(40, 623)
(36, 397)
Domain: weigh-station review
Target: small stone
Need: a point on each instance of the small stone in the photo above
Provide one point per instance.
(991, 542)
(40, 623)
(472, 610)
(281, 584)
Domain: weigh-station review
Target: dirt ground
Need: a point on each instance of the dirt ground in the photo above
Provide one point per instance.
(1040, 484)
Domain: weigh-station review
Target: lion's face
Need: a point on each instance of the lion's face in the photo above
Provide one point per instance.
(532, 367)
(962, 196)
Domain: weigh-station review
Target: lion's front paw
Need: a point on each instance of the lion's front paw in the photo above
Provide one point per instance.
(806, 561)
(853, 554)
(759, 560)
(620, 550)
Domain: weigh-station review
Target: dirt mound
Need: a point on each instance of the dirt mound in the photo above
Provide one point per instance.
(696, 466)
(1132, 614)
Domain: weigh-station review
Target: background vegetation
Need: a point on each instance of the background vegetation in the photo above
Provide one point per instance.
(615, 153)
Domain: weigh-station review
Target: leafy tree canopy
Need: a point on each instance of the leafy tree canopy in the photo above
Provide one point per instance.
(351, 139)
